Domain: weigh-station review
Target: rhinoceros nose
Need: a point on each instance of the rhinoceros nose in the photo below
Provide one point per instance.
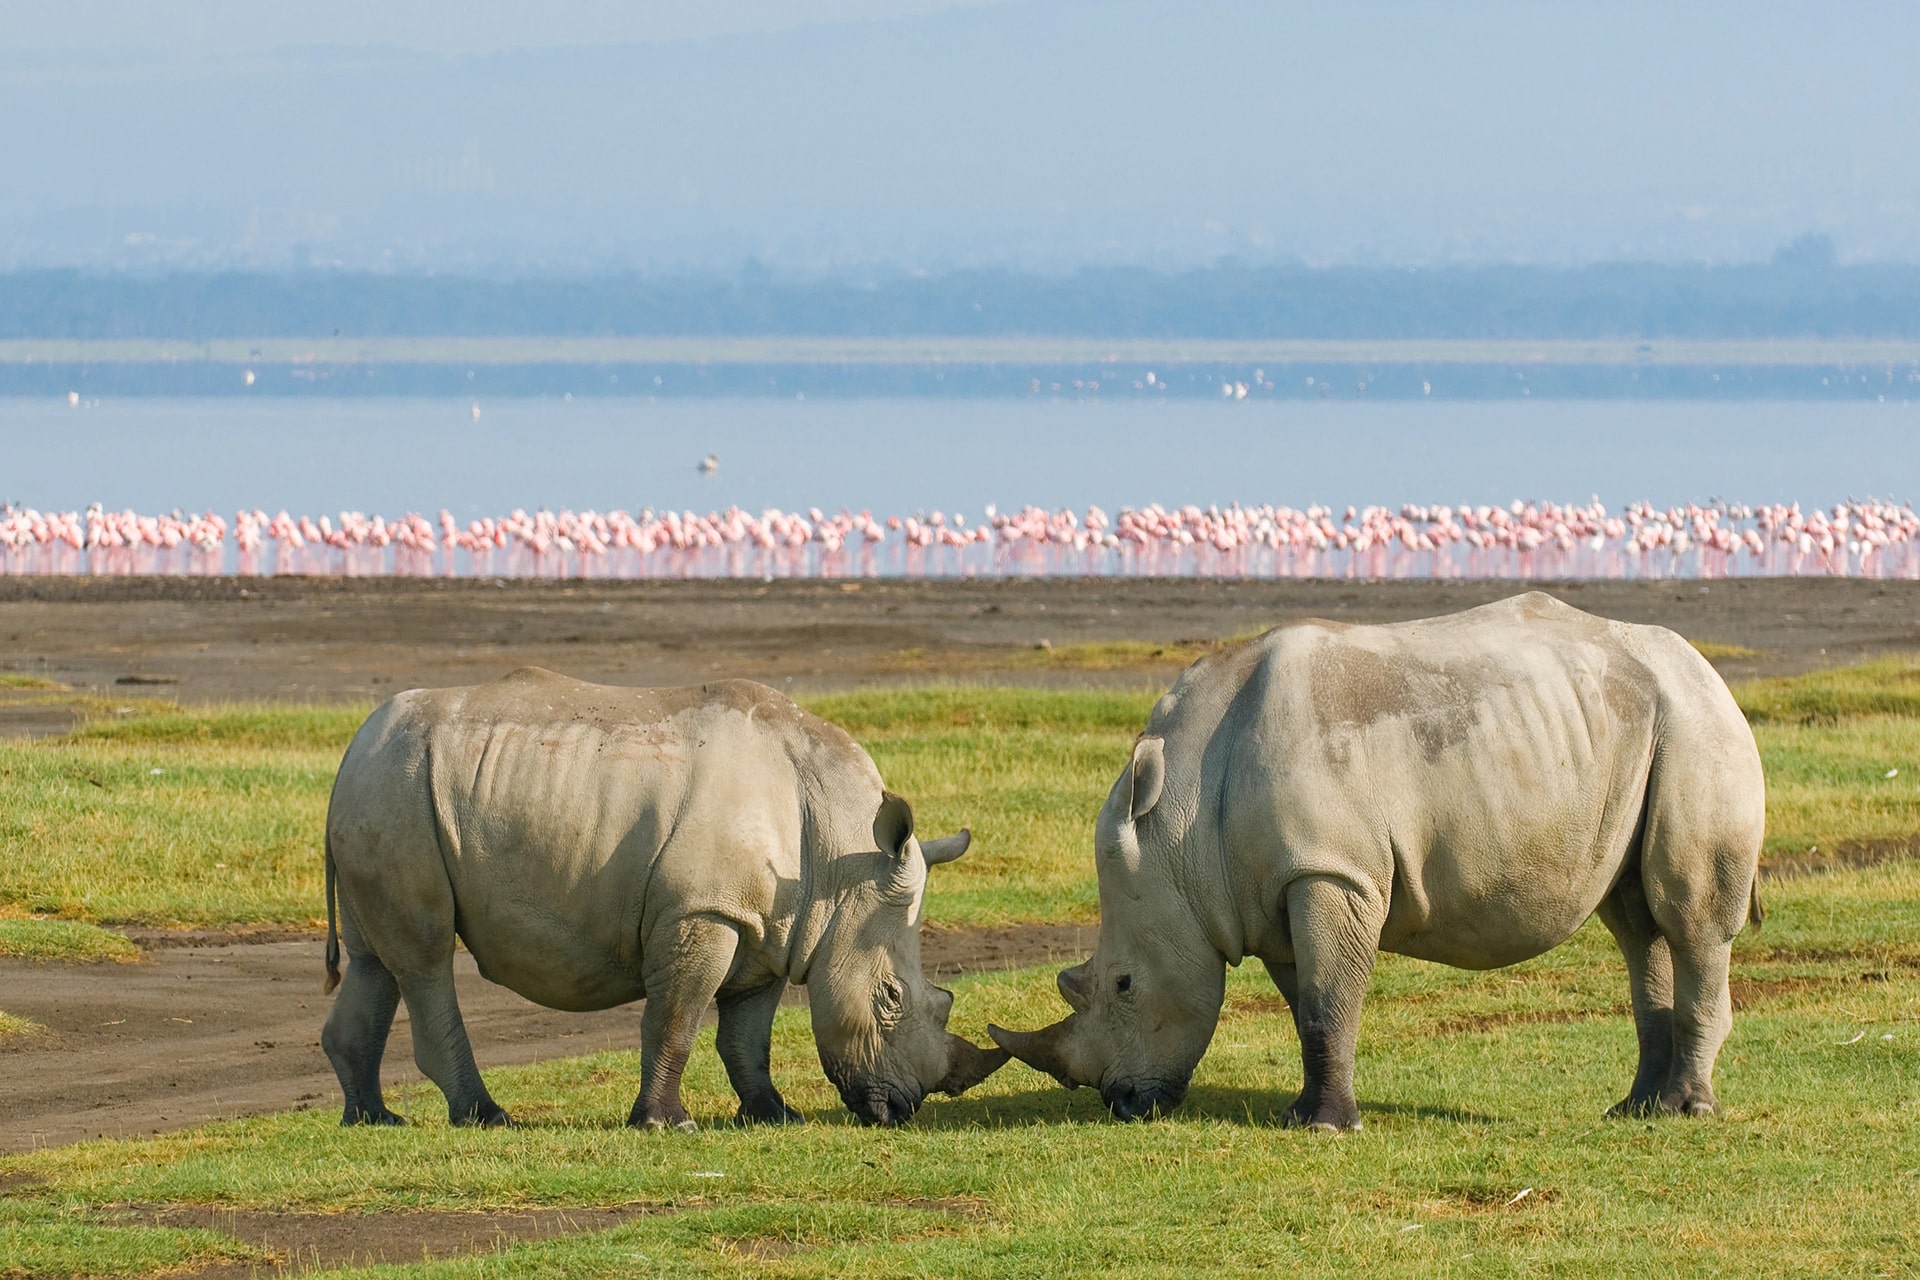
(884, 1107)
(1130, 1102)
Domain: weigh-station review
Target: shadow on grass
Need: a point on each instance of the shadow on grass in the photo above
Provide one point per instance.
(1048, 1106)
(1255, 1108)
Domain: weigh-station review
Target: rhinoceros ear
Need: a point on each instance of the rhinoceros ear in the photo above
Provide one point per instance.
(1146, 776)
(893, 825)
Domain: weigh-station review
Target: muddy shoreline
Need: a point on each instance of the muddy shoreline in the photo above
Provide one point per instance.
(201, 640)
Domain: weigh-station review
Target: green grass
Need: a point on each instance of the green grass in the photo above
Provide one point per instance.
(1152, 658)
(29, 938)
(20, 680)
(1026, 770)
(1888, 686)
(1715, 651)
(13, 1027)
(169, 816)
(213, 816)
(1475, 1087)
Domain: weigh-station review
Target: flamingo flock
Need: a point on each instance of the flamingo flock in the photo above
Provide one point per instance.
(1871, 538)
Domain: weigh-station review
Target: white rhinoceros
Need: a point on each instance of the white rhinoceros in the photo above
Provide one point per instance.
(594, 845)
(1465, 789)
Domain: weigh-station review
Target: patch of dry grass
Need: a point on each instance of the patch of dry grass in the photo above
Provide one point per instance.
(14, 1028)
(1714, 651)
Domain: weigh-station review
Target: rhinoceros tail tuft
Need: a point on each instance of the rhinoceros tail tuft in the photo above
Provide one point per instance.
(333, 926)
(1756, 914)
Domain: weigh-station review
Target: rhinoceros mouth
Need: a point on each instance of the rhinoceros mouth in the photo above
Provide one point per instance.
(1142, 1099)
(883, 1106)
(874, 1101)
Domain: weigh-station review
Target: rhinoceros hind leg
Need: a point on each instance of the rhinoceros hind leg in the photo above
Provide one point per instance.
(442, 1051)
(1702, 1017)
(1650, 977)
(1336, 932)
(681, 979)
(355, 1037)
(745, 1041)
(1703, 828)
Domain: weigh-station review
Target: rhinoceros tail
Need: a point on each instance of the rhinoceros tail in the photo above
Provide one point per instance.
(333, 925)
(1756, 914)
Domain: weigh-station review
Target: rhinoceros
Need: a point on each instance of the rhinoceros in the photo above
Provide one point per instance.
(594, 845)
(1465, 789)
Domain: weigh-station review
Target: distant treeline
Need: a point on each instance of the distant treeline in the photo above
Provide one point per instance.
(1784, 299)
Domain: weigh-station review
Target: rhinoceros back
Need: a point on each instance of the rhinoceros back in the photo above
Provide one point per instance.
(1487, 772)
(564, 814)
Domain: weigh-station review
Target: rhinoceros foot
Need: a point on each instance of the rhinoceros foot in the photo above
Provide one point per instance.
(668, 1126)
(359, 1115)
(663, 1118)
(488, 1115)
(1635, 1106)
(767, 1112)
(1696, 1101)
(1323, 1115)
(1672, 1102)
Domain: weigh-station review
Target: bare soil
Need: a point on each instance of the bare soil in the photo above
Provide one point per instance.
(214, 1025)
(328, 639)
(303, 1243)
(209, 1026)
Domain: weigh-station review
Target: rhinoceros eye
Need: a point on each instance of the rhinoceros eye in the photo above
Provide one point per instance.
(1124, 983)
(890, 1001)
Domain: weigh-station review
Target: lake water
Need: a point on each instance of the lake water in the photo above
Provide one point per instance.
(903, 456)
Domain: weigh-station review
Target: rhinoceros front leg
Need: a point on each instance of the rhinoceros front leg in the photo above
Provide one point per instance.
(682, 979)
(745, 1041)
(1335, 933)
(1650, 977)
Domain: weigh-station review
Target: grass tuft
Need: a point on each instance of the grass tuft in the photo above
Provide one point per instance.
(1715, 651)
(1888, 686)
(15, 1028)
(267, 726)
(30, 938)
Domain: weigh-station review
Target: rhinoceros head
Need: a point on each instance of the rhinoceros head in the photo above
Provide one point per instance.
(1146, 1004)
(880, 1026)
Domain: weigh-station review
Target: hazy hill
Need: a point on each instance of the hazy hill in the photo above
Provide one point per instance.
(1803, 294)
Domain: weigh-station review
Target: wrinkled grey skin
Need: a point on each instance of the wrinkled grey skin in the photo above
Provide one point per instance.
(594, 845)
(1465, 789)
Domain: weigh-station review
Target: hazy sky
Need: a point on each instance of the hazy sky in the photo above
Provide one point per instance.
(913, 133)
(437, 26)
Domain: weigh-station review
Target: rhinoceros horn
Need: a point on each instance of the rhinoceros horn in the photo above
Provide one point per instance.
(971, 1065)
(1042, 1050)
(1073, 984)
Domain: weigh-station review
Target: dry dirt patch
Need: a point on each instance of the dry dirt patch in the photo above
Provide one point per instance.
(1845, 855)
(332, 639)
(223, 1024)
(296, 1243)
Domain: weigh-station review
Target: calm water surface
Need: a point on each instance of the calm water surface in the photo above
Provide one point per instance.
(904, 456)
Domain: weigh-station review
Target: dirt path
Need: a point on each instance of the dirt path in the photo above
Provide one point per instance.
(210, 1026)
